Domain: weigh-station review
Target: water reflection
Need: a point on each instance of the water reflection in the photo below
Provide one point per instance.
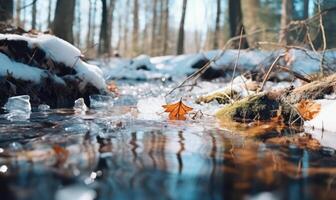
(137, 159)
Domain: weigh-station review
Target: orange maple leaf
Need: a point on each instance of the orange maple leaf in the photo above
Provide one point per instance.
(308, 109)
(177, 110)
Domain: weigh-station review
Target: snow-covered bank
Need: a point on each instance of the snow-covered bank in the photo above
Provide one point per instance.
(254, 61)
(47, 68)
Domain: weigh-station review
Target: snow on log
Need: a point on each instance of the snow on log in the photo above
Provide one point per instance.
(48, 69)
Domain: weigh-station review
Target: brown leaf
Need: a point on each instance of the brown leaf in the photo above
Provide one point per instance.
(62, 154)
(308, 109)
(177, 110)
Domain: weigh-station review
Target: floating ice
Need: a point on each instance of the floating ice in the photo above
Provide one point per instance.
(75, 192)
(100, 101)
(18, 108)
(80, 105)
(126, 100)
(43, 107)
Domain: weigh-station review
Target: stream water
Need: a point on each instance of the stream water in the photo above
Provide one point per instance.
(115, 152)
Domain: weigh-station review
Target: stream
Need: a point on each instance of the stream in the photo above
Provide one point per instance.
(115, 151)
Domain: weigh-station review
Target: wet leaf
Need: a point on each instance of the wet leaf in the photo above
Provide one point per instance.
(62, 154)
(177, 111)
(308, 109)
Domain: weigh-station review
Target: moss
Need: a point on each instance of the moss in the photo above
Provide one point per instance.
(255, 107)
(224, 97)
(259, 107)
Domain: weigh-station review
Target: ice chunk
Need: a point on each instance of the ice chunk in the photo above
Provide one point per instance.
(43, 107)
(80, 105)
(75, 192)
(100, 101)
(125, 100)
(18, 108)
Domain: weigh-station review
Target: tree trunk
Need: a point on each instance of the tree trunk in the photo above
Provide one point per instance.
(286, 16)
(78, 23)
(180, 41)
(64, 12)
(88, 33)
(160, 41)
(93, 24)
(106, 27)
(305, 14)
(18, 13)
(236, 22)
(153, 41)
(33, 25)
(49, 13)
(166, 28)
(217, 28)
(252, 21)
(135, 33)
(6, 11)
(126, 42)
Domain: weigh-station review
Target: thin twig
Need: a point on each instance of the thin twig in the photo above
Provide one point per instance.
(269, 71)
(237, 59)
(323, 38)
(297, 75)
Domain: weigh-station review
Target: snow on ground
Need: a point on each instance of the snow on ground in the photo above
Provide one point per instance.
(325, 119)
(56, 49)
(304, 62)
(139, 68)
(323, 126)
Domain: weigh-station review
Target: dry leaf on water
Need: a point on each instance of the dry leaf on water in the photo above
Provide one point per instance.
(177, 111)
(308, 109)
(62, 154)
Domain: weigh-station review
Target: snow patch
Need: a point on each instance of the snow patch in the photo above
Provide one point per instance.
(325, 118)
(58, 50)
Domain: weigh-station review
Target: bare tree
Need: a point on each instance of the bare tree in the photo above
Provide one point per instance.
(135, 33)
(236, 21)
(305, 9)
(18, 13)
(286, 16)
(6, 10)
(154, 24)
(165, 27)
(78, 23)
(126, 28)
(64, 12)
(33, 24)
(180, 41)
(88, 33)
(217, 27)
(49, 13)
(106, 27)
(252, 21)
